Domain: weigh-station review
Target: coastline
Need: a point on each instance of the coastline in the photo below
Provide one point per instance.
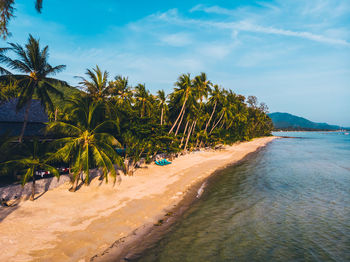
(77, 226)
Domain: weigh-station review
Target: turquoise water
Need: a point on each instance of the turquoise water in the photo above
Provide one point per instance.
(290, 202)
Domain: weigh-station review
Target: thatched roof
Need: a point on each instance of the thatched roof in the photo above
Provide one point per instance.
(8, 112)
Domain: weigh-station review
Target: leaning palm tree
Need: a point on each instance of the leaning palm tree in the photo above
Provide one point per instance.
(86, 142)
(216, 95)
(33, 159)
(162, 104)
(97, 86)
(34, 78)
(184, 89)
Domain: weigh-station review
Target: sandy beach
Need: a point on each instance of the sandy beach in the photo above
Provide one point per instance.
(65, 226)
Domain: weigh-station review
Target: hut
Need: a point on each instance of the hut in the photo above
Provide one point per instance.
(12, 120)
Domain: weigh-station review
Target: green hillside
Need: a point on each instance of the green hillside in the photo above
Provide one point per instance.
(285, 121)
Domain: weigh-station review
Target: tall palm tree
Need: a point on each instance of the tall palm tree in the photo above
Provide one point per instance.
(6, 13)
(97, 86)
(162, 104)
(143, 99)
(121, 92)
(33, 159)
(202, 87)
(86, 143)
(32, 63)
(216, 95)
(226, 113)
(184, 90)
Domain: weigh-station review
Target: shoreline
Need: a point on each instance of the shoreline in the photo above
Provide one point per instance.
(132, 247)
(77, 226)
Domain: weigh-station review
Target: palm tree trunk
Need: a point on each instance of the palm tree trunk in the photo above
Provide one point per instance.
(26, 115)
(161, 117)
(142, 109)
(183, 136)
(33, 188)
(211, 116)
(178, 126)
(177, 119)
(216, 123)
(56, 112)
(189, 133)
(75, 183)
(222, 124)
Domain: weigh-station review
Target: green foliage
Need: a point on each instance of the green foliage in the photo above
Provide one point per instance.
(107, 115)
(34, 75)
(32, 158)
(85, 144)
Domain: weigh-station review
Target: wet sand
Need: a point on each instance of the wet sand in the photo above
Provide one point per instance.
(65, 226)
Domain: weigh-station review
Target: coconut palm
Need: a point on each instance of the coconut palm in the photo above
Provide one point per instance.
(202, 87)
(86, 143)
(216, 95)
(33, 159)
(6, 13)
(142, 96)
(121, 92)
(184, 90)
(97, 86)
(162, 104)
(32, 63)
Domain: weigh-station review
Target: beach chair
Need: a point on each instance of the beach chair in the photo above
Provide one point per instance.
(162, 162)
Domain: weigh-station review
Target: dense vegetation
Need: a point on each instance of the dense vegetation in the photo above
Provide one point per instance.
(89, 126)
(289, 122)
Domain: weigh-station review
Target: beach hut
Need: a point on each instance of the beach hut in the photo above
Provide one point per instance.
(12, 120)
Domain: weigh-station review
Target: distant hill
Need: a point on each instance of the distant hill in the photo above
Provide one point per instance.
(285, 121)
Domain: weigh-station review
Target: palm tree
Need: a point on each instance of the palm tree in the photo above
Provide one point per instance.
(97, 86)
(86, 143)
(33, 160)
(216, 95)
(120, 91)
(6, 13)
(226, 113)
(162, 104)
(34, 80)
(184, 90)
(202, 87)
(143, 99)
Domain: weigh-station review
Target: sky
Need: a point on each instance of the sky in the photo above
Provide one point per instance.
(294, 55)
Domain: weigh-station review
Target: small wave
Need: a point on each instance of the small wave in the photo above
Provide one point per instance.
(201, 190)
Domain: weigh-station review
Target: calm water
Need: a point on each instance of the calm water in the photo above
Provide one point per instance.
(291, 202)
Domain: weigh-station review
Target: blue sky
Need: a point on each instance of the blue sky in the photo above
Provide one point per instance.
(293, 55)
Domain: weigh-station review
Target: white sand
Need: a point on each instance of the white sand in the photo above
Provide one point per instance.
(65, 226)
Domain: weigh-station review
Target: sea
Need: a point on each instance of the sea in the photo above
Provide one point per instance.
(288, 202)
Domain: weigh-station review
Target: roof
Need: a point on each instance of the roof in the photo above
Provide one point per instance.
(8, 112)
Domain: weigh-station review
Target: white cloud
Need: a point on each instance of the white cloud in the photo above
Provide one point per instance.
(212, 9)
(178, 39)
(244, 25)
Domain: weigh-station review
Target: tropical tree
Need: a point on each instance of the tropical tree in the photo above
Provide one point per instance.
(35, 78)
(183, 90)
(121, 92)
(34, 158)
(86, 141)
(162, 104)
(6, 13)
(216, 95)
(202, 87)
(97, 86)
(143, 102)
